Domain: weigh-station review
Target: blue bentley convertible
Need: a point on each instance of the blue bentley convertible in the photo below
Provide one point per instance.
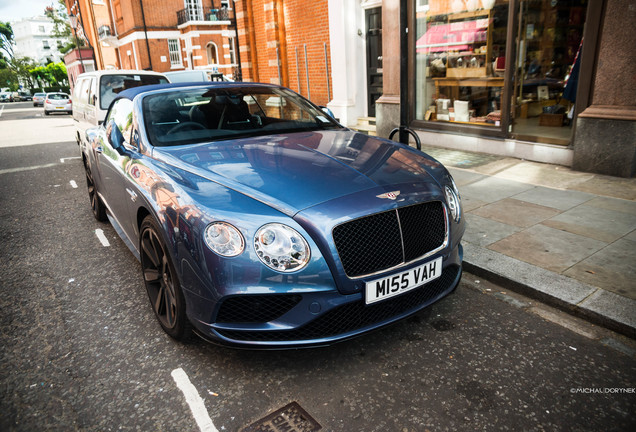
(261, 222)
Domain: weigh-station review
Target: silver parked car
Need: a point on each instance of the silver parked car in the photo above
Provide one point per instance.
(57, 102)
(38, 99)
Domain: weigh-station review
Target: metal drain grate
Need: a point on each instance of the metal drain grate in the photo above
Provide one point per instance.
(291, 417)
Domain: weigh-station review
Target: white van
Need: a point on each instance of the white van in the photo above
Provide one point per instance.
(94, 91)
(196, 75)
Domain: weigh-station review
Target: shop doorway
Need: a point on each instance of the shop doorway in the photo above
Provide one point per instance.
(548, 45)
(374, 57)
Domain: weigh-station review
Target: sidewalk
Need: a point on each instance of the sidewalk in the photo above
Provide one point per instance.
(563, 237)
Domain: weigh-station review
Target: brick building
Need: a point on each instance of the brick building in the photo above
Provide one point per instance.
(287, 42)
(281, 41)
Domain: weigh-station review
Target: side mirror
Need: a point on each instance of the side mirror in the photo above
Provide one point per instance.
(115, 138)
(327, 111)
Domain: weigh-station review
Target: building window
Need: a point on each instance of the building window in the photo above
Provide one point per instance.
(41, 29)
(175, 54)
(213, 53)
(225, 3)
(195, 11)
(232, 51)
(45, 44)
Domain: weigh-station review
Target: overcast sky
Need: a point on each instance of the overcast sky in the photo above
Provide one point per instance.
(15, 10)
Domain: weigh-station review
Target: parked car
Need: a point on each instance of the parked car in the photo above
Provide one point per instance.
(15, 97)
(94, 91)
(5, 97)
(259, 221)
(57, 102)
(25, 96)
(38, 99)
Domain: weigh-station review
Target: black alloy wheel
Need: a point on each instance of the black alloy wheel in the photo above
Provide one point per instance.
(162, 282)
(99, 210)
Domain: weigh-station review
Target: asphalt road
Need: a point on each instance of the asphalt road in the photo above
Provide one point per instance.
(80, 348)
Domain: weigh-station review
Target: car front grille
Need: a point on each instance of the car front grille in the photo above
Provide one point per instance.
(356, 315)
(384, 240)
(256, 308)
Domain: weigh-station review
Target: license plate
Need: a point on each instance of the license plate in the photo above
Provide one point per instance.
(59, 107)
(391, 286)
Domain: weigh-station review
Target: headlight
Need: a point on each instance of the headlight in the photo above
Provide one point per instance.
(453, 203)
(455, 189)
(281, 248)
(224, 239)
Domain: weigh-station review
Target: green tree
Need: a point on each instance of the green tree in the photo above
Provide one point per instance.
(62, 28)
(57, 72)
(6, 38)
(40, 76)
(8, 79)
(22, 66)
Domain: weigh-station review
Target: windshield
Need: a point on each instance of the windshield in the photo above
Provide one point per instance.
(188, 116)
(112, 85)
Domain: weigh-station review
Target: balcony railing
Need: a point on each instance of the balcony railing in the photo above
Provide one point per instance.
(204, 14)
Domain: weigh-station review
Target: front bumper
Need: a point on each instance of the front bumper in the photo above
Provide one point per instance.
(323, 318)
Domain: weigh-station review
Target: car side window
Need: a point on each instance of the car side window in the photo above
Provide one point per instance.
(92, 91)
(121, 112)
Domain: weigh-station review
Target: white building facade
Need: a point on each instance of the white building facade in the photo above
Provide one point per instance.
(34, 38)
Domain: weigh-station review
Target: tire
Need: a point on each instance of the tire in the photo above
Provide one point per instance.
(98, 207)
(162, 282)
(46, 112)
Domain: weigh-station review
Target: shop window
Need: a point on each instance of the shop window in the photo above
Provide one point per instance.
(175, 54)
(460, 47)
(550, 35)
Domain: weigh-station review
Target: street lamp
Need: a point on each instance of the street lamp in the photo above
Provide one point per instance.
(73, 19)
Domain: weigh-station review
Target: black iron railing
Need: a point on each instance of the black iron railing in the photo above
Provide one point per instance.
(204, 14)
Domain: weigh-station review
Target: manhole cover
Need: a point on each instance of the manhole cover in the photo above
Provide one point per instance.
(290, 418)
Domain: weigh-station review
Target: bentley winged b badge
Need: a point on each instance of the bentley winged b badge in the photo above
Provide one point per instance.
(390, 195)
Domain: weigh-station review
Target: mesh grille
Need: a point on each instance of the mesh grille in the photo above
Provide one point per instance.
(374, 243)
(423, 228)
(356, 315)
(256, 308)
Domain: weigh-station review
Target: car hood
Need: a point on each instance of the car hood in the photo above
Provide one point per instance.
(295, 171)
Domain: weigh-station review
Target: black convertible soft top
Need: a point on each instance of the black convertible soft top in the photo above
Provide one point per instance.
(132, 92)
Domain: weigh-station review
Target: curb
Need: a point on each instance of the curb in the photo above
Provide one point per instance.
(596, 305)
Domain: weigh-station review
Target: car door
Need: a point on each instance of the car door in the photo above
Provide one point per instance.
(113, 158)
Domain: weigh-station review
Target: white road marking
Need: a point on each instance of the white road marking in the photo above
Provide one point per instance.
(193, 399)
(102, 238)
(13, 170)
(1, 109)
(69, 158)
(73, 184)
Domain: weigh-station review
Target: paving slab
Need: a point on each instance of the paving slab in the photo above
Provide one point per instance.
(463, 177)
(616, 204)
(613, 268)
(491, 189)
(555, 198)
(548, 248)
(483, 231)
(631, 236)
(536, 173)
(609, 186)
(594, 222)
(516, 213)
